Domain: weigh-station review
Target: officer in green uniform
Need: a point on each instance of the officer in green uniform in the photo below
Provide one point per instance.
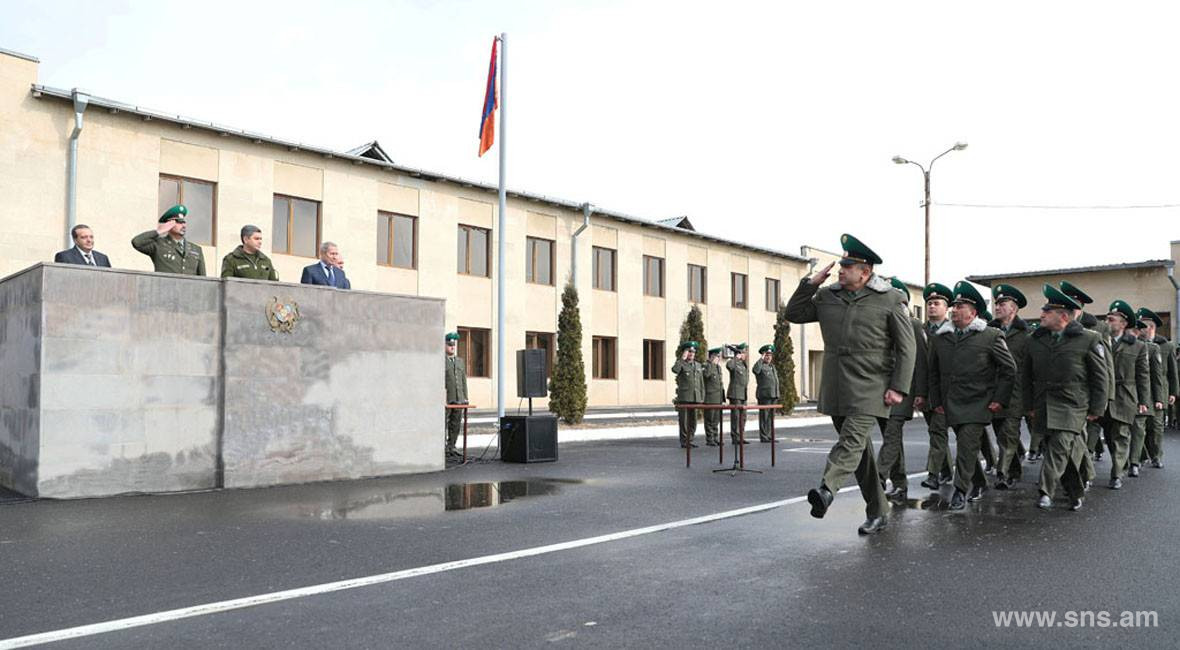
(868, 369)
(456, 381)
(1146, 425)
(938, 458)
(739, 375)
(767, 391)
(1007, 301)
(248, 260)
(714, 394)
(690, 389)
(1132, 390)
(891, 459)
(1091, 322)
(1065, 385)
(167, 247)
(1155, 429)
(986, 448)
(972, 374)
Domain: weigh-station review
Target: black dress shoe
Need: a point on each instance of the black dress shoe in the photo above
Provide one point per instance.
(1044, 503)
(1002, 484)
(819, 498)
(1156, 462)
(872, 525)
(958, 500)
(947, 480)
(976, 493)
(1075, 504)
(1097, 456)
(1134, 471)
(930, 482)
(1010, 482)
(897, 494)
(710, 443)
(1116, 483)
(693, 445)
(892, 492)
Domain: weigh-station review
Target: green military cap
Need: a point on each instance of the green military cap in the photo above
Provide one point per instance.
(855, 252)
(176, 212)
(1146, 314)
(1056, 299)
(1079, 296)
(713, 351)
(966, 292)
(936, 290)
(900, 286)
(688, 345)
(1123, 309)
(742, 346)
(766, 348)
(452, 336)
(986, 315)
(1139, 324)
(1009, 292)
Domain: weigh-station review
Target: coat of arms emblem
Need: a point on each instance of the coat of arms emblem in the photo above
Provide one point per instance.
(282, 315)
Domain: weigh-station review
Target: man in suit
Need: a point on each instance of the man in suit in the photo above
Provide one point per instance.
(327, 271)
(82, 251)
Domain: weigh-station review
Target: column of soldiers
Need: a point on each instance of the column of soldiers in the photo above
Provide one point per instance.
(702, 383)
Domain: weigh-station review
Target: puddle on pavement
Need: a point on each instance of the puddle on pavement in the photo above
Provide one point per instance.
(456, 496)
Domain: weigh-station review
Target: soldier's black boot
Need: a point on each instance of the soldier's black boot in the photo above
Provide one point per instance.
(819, 498)
(958, 500)
(1134, 471)
(930, 482)
(872, 525)
(1116, 483)
(1044, 503)
(976, 493)
(1075, 504)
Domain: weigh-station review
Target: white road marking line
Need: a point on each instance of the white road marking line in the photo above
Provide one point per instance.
(381, 578)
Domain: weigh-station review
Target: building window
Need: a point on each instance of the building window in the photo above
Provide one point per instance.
(604, 269)
(697, 284)
(199, 198)
(653, 276)
(738, 286)
(397, 240)
(296, 226)
(917, 312)
(542, 341)
(653, 359)
(539, 261)
(604, 357)
(474, 251)
(773, 297)
(475, 351)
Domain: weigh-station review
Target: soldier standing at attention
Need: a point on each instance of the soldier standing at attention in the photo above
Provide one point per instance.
(167, 247)
(739, 375)
(248, 260)
(938, 458)
(891, 460)
(1091, 322)
(1065, 386)
(1007, 301)
(456, 382)
(868, 368)
(1145, 425)
(690, 389)
(1155, 429)
(714, 394)
(767, 391)
(1131, 386)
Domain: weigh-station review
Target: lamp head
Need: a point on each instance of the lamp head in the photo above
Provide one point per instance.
(901, 161)
(959, 146)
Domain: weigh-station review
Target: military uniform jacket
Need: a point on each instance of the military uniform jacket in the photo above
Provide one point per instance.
(1168, 349)
(739, 375)
(1016, 336)
(169, 256)
(1095, 324)
(714, 387)
(456, 372)
(868, 340)
(1159, 377)
(1131, 378)
(240, 264)
(1064, 381)
(690, 382)
(767, 378)
(921, 374)
(970, 371)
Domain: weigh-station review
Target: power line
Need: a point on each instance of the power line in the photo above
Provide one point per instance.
(1022, 206)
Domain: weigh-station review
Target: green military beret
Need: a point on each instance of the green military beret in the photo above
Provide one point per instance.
(966, 292)
(855, 252)
(1057, 300)
(1009, 292)
(175, 212)
(766, 348)
(713, 351)
(1079, 296)
(1121, 308)
(936, 290)
(1146, 314)
(452, 336)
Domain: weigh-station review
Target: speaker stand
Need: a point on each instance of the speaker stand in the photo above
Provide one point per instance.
(733, 471)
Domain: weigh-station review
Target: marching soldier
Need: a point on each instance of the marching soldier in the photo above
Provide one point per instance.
(738, 377)
(938, 458)
(1065, 385)
(714, 394)
(167, 247)
(1155, 435)
(891, 459)
(1091, 322)
(868, 369)
(971, 378)
(767, 391)
(690, 389)
(456, 383)
(1131, 386)
(1007, 301)
(1145, 426)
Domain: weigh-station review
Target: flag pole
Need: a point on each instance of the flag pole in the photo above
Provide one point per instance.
(501, 362)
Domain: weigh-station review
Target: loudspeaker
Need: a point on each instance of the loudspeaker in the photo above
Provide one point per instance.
(532, 376)
(528, 438)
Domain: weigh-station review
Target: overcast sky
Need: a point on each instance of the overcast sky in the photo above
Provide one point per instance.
(772, 123)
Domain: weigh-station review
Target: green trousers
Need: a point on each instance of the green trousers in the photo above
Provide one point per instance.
(1118, 443)
(765, 420)
(1011, 456)
(1094, 432)
(713, 425)
(938, 460)
(1154, 442)
(454, 424)
(968, 469)
(737, 420)
(1063, 458)
(986, 447)
(853, 454)
(1138, 438)
(891, 460)
(688, 425)
(1036, 437)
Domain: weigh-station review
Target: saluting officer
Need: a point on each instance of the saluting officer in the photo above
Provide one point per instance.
(167, 247)
(1007, 301)
(739, 375)
(690, 389)
(938, 456)
(891, 459)
(1065, 386)
(456, 382)
(868, 368)
(714, 394)
(1145, 425)
(767, 391)
(1132, 390)
(1155, 429)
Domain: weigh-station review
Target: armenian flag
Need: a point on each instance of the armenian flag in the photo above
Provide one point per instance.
(491, 101)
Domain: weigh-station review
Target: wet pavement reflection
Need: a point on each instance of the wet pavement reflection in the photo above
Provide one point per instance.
(427, 501)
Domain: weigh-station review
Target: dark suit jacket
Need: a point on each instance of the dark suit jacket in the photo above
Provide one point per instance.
(72, 255)
(314, 274)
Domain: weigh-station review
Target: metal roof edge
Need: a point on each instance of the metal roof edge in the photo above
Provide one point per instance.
(19, 55)
(986, 279)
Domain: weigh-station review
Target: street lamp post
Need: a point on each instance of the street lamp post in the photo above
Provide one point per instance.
(959, 146)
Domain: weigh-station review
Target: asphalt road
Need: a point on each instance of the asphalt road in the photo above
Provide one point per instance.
(775, 577)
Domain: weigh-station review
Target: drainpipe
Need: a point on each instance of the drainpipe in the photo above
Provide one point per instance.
(81, 99)
(586, 210)
(1176, 310)
(804, 361)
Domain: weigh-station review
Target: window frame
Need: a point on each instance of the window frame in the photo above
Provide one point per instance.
(551, 356)
(614, 271)
(599, 345)
(466, 230)
(647, 259)
(653, 364)
(530, 253)
(180, 181)
(464, 350)
(319, 225)
(777, 294)
(391, 217)
(733, 294)
(704, 284)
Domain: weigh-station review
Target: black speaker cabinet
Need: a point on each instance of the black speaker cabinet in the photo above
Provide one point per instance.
(528, 438)
(532, 376)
